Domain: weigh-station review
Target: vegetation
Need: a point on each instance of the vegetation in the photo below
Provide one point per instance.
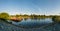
(4, 15)
(7, 16)
(56, 18)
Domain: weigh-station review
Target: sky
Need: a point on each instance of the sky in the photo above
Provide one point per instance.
(39, 7)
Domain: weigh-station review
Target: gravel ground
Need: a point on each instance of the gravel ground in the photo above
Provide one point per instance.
(9, 27)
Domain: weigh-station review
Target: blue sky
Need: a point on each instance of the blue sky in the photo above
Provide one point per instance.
(47, 7)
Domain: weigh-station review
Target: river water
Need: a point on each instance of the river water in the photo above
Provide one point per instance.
(33, 23)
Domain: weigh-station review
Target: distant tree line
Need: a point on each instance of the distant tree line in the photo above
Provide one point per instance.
(5, 15)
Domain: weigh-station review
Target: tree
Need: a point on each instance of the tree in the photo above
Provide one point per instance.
(17, 15)
(4, 15)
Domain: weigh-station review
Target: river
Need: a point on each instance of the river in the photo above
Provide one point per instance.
(33, 23)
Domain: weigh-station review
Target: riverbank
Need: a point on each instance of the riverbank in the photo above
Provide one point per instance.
(9, 27)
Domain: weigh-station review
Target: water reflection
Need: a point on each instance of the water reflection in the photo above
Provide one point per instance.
(30, 23)
(25, 19)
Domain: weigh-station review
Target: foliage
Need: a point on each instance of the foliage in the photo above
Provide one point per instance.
(4, 15)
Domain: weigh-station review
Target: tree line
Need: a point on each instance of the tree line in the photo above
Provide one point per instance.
(6, 15)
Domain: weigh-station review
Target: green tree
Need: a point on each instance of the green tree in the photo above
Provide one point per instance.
(17, 15)
(4, 15)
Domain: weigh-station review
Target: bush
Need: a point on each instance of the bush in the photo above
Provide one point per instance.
(4, 15)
